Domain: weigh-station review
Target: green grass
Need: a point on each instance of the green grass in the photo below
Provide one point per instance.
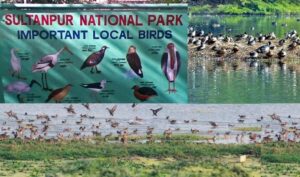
(250, 129)
(179, 158)
(258, 7)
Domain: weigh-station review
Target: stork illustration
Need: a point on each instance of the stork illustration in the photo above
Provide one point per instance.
(170, 65)
(47, 62)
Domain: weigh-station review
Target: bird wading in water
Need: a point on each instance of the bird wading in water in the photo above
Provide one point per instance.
(170, 64)
(94, 59)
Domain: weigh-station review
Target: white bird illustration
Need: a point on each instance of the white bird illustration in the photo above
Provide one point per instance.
(15, 64)
(45, 63)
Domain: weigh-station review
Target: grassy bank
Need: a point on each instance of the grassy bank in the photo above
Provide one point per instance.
(255, 7)
(98, 158)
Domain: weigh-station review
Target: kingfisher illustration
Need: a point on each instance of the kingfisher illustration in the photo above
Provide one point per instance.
(94, 59)
(170, 65)
(134, 61)
(143, 93)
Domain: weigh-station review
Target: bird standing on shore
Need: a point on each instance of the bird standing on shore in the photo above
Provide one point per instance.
(94, 59)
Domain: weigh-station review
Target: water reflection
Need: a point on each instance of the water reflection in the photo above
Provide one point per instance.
(249, 81)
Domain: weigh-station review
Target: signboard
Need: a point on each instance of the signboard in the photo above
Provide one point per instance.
(94, 53)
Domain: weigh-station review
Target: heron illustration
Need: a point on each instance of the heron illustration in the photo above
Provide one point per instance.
(47, 62)
(94, 59)
(170, 64)
(15, 64)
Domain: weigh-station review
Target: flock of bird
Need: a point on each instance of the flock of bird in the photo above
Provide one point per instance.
(82, 126)
(243, 46)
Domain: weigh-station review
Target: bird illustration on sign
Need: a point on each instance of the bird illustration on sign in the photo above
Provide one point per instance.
(20, 87)
(47, 62)
(59, 94)
(15, 64)
(134, 61)
(143, 93)
(170, 65)
(94, 59)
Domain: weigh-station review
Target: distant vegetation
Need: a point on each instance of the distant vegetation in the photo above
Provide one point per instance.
(238, 7)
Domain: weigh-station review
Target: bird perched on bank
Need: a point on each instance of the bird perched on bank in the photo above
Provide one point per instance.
(95, 87)
(47, 62)
(143, 93)
(264, 48)
(281, 54)
(170, 65)
(134, 61)
(94, 59)
(59, 94)
(155, 111)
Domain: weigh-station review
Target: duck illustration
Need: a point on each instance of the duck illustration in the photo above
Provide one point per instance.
(94, 59)
(59, 94)
(170, 64)
(20, 87)
(47, 62)
(143, 93)
(134, 61)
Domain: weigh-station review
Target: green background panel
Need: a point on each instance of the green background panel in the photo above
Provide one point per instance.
(120, 85)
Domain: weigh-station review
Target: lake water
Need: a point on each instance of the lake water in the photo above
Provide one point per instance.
(252, 82)
(222, 115)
